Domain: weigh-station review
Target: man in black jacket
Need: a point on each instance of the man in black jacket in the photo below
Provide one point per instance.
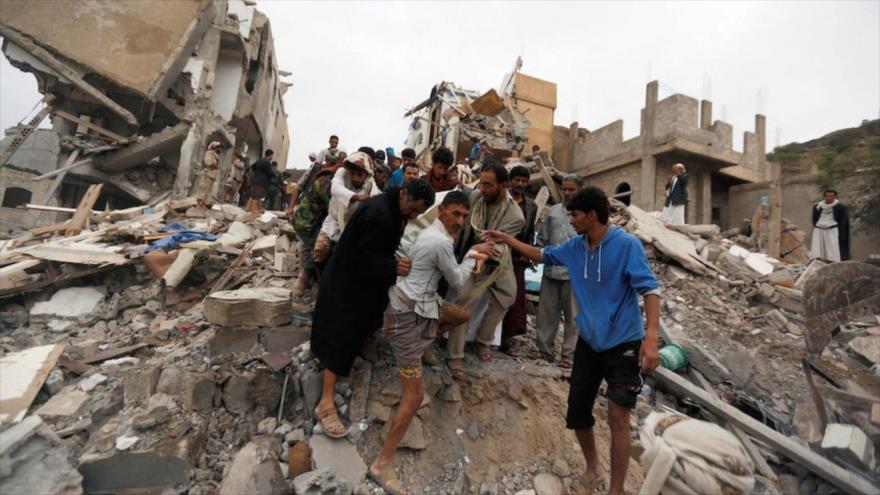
(354, 286)
(261, 175)
(676, 196)
(830, 229)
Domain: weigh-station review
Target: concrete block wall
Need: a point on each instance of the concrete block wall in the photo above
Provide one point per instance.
(609, 180)
(750, 156)
(10, 218)
(601, 143)
(724, 133)
(676, 114)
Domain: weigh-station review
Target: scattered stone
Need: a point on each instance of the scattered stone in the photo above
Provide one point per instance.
(138, 387)
(312, 383)
(169, 381)
(766, 291)
(850, 443)
(299, 459)
(676, 276)
(34, 460)
(867, 346)
(321, 481)
(71, 302)
(560, 468)
(378, 412)
(54, 382)
(236, 394)
(414, 438)
(547, 484)
(125, 443)
(88, 384)
(157, 416)
(198, 391)
(473, 431)
(232, 341)
(742, 366)
(295, 436)
(267, 426)
(340, 455)
(254, 470)
(360, 390)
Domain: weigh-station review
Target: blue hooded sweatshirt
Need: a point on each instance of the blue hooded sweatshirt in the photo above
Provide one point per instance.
(606, 282)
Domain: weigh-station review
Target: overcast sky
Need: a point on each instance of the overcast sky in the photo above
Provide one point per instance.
(811, 67)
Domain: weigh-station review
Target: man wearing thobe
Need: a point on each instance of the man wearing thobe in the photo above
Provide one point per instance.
(676, 196)
(830, 229)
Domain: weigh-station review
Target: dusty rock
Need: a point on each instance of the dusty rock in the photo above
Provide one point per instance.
(92, 381)
(376, 411)
(198, 391)
(547, 484)
(560, 468)
(850, 443)
(414, 437)
(267, 306)
(742, 366)
(267, 426)
(138, 387)
(867, 346)
(233, 340)
(360, 390)
(473, 431)
(236, 394)
(170, 381)
(35, 460)
(340, 455)
(318, 482)
(65, 403)
(311, 382)
(157, 416)
(254, 470)
(71, 302)
(54, 382)
(295, 436)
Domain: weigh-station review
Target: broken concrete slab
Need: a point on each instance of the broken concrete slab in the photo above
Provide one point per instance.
(233, 340)
(266, 306)
(742, 366)
(415, 435)
(362, 375)
(138, 387)
(22, 374)
(34, 460)
(283, 339)
(254, 469)
(317, 482)
(850, 443)
(71, 302)
(311, 383)
(341, 456)
(237, 394)
(674, 244)
(64, 403)
(867, 346)
(92, 381)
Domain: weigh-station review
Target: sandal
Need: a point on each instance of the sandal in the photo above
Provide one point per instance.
(484, 352)
(456, 368)
(390, 483)
(330, 421)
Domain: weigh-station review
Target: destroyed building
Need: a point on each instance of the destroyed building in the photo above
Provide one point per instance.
(510, 120)
(135, 94)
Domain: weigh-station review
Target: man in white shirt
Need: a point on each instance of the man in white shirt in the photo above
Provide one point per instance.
(333, 149)
(413, 314)
(352, 184)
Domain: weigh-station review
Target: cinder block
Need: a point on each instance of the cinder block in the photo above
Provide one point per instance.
(850, 443)
(139, 385)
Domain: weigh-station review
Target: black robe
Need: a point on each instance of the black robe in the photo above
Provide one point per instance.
(353, 292)
(841, 216)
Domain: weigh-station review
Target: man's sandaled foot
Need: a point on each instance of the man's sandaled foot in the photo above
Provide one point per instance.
(429, 358)
(330, 421)
(484, 352)
(588, 483)
(456, 368)
(387, 480)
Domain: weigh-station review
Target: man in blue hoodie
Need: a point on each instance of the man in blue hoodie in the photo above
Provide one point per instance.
(608, 271)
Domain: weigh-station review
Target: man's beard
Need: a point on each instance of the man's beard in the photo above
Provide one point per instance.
(518, 191)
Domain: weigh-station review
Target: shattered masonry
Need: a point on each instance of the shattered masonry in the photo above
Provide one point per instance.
(135, 95)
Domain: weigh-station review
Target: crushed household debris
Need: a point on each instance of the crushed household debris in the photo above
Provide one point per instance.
(206, 383)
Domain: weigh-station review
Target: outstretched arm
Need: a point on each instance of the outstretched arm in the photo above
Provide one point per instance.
(531, 252)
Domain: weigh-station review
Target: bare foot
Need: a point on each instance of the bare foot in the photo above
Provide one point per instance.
(589, 482)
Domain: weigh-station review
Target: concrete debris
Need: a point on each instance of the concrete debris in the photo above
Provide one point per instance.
(318, 482)
(254, 470)
(125, 443)
(72, 302)
(339, 455)
(65, 403)
(548, 484)
(22, 374)
(34, 460)
(91, 382)
(867, 346)
(267, 306)
(850, 443)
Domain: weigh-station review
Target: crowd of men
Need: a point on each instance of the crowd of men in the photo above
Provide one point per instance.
(463, 275)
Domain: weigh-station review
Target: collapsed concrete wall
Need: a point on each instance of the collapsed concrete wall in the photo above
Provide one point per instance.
(137, 91)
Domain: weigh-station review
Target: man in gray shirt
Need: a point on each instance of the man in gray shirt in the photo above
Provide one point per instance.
(555, 285)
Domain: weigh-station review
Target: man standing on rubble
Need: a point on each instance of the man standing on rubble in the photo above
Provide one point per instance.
(354, 286)
(261, 175)
(608, 271)
(440, 176)
(830, 228)
(514, 323)
(413, 314)
(676, 196)
(235, 179)
(492, 208)
(210, 169)
(555, 284)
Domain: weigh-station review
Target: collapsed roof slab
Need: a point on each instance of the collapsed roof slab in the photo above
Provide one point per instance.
(132, 43)
(165, 141)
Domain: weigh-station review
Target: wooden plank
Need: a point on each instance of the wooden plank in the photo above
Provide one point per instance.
(838, 476)
(21, 376)
(85, 123)
(35, 286)
(84, 209)
(49, 229)
(548, 179)
(112, 353)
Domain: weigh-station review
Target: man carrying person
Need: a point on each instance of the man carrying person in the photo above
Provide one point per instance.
(352, 184)
(354, 286)
(412, 317)
(555, 285)
(492, 208)
(408, 155)
(514, 322)
(676, 196)
(440, 176)
(608, 272)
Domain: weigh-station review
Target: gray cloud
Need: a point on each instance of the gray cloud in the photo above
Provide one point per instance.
(357, 66)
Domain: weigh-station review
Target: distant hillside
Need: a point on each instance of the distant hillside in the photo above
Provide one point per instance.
(836, 156)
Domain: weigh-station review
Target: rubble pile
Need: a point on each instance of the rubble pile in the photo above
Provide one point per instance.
(161, 350)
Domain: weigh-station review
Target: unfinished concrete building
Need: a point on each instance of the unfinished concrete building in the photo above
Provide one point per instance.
(136, 93)
(676, 129)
